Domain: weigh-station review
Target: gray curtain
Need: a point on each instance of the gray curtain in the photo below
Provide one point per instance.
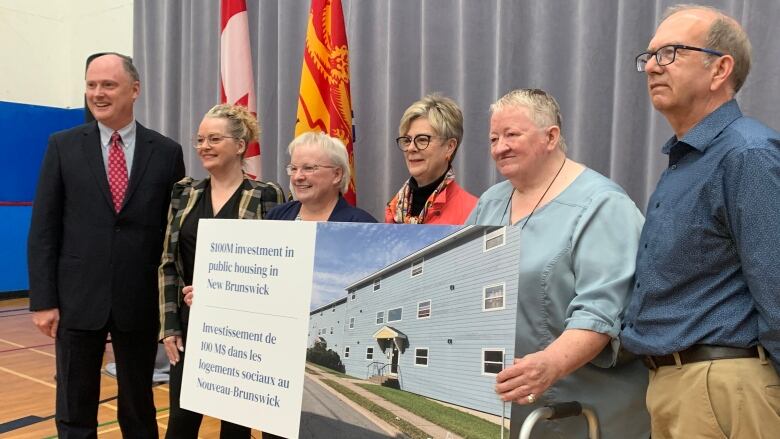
(582, 51)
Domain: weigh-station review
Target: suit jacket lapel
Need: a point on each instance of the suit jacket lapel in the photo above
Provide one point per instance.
(92, 150)
(144, 149)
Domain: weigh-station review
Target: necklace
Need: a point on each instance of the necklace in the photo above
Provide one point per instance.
(514, 189)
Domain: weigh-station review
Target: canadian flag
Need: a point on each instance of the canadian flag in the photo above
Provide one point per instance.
(238, 85)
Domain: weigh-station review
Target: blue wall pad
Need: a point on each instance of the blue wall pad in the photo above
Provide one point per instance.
(26, 130)
(14, 226)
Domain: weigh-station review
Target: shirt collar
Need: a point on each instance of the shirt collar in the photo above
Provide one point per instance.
(127, 133)
(200, 185)
(703, 133)
(441, 197)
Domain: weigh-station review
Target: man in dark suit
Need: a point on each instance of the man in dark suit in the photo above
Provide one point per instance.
(94, 247)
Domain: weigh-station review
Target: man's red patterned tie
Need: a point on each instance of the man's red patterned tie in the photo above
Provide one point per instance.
(117, 171)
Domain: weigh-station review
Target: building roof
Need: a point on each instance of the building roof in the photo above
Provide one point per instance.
(460, 234)
(388, 332)
(329, 305)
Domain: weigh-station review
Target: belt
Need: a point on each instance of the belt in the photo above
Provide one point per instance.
(698, 353)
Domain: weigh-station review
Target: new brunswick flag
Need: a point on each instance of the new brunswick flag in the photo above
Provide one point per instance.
(324, 102)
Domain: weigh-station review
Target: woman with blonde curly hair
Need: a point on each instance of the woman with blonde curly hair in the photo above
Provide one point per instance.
(221, 142)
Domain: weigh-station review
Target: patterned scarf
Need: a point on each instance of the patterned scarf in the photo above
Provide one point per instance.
(403, 201)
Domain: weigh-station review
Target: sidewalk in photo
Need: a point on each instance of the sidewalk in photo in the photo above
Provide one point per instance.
(433, 430)
(390, 429)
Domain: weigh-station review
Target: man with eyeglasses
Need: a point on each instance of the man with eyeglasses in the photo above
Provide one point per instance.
(705, 312)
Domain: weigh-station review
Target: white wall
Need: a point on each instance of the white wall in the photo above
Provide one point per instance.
(44, 45)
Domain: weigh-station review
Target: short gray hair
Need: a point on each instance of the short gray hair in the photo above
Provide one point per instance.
(444, 115)
(543, 108)
(726, 36)
(333, 147)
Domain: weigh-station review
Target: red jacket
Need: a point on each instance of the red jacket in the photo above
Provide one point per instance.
(451, 206)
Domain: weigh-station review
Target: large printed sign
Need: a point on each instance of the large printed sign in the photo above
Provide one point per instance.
(423, 303)
(246, 346)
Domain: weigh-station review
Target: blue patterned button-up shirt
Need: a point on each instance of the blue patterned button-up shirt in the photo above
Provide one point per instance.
(708, 267)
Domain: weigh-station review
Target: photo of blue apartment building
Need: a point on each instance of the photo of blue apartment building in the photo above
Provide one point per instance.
(441, 321)
(326, 324)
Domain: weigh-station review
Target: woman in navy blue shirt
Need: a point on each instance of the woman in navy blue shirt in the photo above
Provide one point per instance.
(319, 175)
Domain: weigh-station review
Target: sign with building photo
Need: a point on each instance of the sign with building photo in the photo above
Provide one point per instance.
(428, 309)
(247, 329)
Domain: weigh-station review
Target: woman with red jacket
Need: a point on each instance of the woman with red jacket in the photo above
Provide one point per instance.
(431, 130)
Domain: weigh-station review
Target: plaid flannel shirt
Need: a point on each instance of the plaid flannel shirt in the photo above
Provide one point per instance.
(257, 198)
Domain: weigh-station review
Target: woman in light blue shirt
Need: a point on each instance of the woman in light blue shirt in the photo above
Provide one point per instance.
(579, 240)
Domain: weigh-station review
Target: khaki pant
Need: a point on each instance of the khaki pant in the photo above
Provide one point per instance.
(735, 399)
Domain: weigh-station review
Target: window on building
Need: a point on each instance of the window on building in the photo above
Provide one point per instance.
(333, 309)
(421, 357)
(493, 297)
(331, 330)
(352, 296)
(492, 361)
(394, 315)
(377, 284)
(351, 323)
(417, 267)
(494, 239)
(424, 309)
(380, 317)
(369, 353)
(346, 352)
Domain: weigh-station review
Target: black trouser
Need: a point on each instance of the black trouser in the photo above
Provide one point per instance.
(79, 359)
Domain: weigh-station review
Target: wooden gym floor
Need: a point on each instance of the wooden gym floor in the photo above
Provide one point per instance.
(27, 383)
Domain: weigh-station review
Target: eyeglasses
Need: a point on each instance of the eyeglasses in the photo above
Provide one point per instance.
(305, 169)
(211, 139)
(665, 55)
(421, 141)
